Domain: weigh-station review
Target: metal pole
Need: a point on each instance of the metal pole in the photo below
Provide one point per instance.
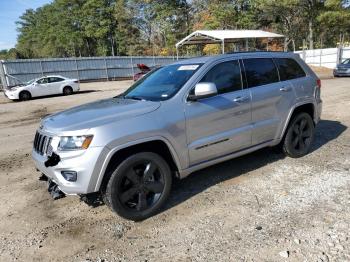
(246, 45)
(285, 44)
(177, 53)
(76, 68)
(267, 45)
(41, 68)
(223, 46)
(3, 77)
(104, 59)
(321, 53)
(132, 67)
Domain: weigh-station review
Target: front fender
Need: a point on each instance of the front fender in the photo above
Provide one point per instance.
(107, 153)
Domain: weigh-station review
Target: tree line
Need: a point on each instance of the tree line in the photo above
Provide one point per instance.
(66, 28)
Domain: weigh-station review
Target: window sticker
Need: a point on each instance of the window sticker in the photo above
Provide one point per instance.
(188, 67)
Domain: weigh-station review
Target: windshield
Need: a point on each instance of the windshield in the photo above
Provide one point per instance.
(30, 82)
(162, 83)
(347, 61)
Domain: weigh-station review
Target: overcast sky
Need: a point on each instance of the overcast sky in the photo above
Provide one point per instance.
(10, 11)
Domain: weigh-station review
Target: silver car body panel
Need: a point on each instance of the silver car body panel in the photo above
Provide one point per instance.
(198, 134)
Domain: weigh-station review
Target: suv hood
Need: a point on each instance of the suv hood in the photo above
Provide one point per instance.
(96, 114)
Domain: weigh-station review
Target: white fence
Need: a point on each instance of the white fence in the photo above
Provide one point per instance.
(327, 57)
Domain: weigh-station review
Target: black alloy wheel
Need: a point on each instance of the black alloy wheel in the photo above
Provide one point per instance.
(24, 96)
(299, 136)
(139, 186)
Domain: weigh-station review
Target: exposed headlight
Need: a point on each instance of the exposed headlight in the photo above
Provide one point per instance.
(74, 142)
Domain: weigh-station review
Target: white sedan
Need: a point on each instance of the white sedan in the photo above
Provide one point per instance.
(44, 86)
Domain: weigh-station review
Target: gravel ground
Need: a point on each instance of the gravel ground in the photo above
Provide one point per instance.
(260, 207)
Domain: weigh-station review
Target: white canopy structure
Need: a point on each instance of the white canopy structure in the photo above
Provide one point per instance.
(224, 36)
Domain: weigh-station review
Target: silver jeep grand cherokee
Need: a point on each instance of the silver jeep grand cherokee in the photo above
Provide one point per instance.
(178, 119)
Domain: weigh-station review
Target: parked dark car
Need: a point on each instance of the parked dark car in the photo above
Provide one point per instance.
(342, 69)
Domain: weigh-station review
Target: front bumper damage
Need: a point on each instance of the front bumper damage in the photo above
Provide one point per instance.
(92, 199)
(52, 187)
(80, 162)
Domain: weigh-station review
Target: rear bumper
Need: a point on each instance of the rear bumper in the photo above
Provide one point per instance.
(82, 162)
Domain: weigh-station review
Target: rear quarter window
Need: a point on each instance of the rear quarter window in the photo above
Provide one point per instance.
(260, 71)
(289, 69)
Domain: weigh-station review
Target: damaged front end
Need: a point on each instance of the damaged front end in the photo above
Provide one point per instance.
(52, 160)
(53, 188)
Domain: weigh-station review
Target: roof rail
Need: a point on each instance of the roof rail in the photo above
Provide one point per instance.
(256, 51)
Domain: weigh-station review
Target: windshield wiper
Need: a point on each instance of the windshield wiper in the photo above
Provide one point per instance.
(134, 98)
(120, 96)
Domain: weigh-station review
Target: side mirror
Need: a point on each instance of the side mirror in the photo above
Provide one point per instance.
(203, 90)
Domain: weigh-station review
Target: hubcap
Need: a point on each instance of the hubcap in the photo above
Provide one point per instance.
(301, 135)
(141, 186)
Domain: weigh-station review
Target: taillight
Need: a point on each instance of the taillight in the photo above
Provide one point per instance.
(318, 83)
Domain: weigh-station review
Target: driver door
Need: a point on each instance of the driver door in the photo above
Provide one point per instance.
(40, 87)
(221, 124)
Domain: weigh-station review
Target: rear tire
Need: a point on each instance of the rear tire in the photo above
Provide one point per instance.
(139, 186)
(300, 134)
(24, 96)
(67, 90)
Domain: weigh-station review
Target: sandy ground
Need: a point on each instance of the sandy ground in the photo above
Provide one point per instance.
(260, 207)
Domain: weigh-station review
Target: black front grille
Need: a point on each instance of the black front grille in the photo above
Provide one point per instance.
(41, 143)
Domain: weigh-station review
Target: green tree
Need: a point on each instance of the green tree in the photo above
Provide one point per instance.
(283, 16)
(336, 17)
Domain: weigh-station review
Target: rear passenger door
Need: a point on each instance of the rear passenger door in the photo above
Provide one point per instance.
(54, 85)
(271, 99)
(219, 125)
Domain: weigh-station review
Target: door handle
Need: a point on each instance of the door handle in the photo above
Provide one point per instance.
(285, 89)
(240, 99)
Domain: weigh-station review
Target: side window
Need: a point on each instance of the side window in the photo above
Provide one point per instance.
(289, 69)
(226, 76)
(42, 81)
(55, 79)
(260, 71)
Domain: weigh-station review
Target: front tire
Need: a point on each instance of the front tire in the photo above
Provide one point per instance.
(25, 96)
(139, 186)
(299, 136)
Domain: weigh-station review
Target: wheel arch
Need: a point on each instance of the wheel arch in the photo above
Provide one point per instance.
(24, 91)
(158, 145)
(307, 107)
(64, 86)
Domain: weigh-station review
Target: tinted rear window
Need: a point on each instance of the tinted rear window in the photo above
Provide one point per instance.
(260, 71)
(289, 69)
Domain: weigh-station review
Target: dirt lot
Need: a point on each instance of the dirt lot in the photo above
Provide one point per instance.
(260, 207)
